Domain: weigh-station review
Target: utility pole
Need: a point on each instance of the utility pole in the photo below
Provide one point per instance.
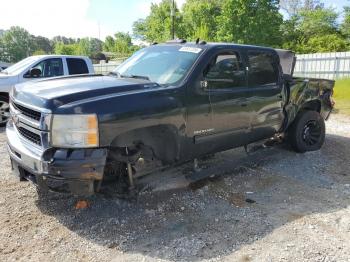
(172, 14)
(99, 31)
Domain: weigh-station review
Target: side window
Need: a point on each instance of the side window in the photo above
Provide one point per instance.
(77, 66)
(263, 69)
(225, 71)
(50, 67)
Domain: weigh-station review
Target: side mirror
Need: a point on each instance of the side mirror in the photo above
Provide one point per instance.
(33, 73)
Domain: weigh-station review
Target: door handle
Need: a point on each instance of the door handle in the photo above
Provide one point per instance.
(204, 85)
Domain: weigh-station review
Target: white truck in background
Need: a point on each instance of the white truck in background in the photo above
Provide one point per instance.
(38, 67)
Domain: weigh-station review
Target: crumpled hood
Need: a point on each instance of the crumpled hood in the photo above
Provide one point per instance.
(57, 92)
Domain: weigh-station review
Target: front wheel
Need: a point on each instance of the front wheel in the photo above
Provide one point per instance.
(4, 110)
(307, 133)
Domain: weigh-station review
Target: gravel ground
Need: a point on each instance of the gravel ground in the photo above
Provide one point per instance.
(273, 205)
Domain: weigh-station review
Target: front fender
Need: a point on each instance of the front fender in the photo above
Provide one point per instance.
(163, 140)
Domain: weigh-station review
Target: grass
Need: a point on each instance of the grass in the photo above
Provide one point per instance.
(342, 96)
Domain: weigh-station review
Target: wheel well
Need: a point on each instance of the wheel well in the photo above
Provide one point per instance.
(162, 139)
(314, 105)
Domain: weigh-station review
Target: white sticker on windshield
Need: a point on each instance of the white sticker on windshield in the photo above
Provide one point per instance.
(195, 50)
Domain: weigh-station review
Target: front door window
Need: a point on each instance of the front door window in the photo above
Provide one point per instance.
(225, 71)
(50, 67)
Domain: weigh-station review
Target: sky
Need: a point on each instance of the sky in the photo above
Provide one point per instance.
(84, 18)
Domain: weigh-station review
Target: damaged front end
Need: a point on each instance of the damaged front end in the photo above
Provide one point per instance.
(77, 171)
(80, 171)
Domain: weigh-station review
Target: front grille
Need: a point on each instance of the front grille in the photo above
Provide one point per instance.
(27, 111)
(32, 137)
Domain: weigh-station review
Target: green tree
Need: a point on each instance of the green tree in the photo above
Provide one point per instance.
(313, 30)
(39, 52)
(66, 49)
(84, 46)
(3, 51)
(313, 4)
(250, 22)
(324, 43)
(318, 21)
(109, 44)
(202, 32)
(96, 45)
(345, 26)
(291, 7)
(139, 29)
(122, 43)
(157, 26)
(63, 39)
(293, 36)
(42, 43)
(199, 19)
(16, 44)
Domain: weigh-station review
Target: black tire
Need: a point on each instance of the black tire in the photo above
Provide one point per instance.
(307, 132)
(4, 110)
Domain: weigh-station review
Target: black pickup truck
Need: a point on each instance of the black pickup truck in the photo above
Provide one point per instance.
(167, 104)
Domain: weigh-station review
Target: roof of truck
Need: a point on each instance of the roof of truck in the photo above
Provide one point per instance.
(204, 45)
(66, 56)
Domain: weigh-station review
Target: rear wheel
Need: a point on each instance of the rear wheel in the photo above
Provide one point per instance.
(307, 133)
(4, 110)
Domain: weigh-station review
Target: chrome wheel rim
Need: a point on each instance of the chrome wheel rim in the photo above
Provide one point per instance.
(4, 112)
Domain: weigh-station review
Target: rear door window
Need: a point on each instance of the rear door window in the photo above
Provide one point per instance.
(77, 66)
(263, 69)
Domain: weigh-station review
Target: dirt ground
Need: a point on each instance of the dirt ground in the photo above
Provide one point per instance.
(273, 205)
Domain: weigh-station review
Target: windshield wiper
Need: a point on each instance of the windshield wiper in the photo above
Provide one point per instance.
(135, 76)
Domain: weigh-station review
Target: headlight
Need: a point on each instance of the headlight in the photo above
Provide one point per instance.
(74, 131)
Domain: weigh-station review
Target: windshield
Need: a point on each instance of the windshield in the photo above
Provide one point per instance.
(20, 66)
(164, 65)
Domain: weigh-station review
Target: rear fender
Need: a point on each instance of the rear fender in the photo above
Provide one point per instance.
(309, 94)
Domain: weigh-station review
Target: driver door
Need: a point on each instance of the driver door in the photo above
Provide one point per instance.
(226, 83)
(218, 118)
(227, 88)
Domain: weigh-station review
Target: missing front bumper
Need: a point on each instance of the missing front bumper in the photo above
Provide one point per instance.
(63, 170)
(46, 183)
(77, 177)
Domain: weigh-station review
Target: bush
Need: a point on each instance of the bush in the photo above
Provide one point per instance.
(324, 43)
(342, 95)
